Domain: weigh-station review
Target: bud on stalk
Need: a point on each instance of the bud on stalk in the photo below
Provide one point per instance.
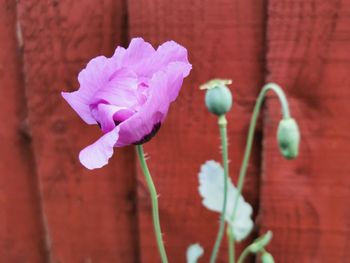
(266, 257)
(288, 137)
(218, 97)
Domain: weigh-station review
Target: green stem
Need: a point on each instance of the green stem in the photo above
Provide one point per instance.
(231, 244)
(244, 255)
(286, 114)
(154, 199)
(223, 135)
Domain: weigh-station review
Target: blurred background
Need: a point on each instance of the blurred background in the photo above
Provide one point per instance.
(52, 209)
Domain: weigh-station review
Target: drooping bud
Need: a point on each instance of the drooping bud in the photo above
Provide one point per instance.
(218, 97)
(288, 137)
(266, 257)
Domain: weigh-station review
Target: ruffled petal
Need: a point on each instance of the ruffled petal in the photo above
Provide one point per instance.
(176, 72)
(91, 79)
(104, 114)
(79, 104)
(166, 53)
(97, 154)
(121, 90)
(151, 115)
(164, 88)
(169, 52)
(137, 52)
(117, 58)
(93, 76)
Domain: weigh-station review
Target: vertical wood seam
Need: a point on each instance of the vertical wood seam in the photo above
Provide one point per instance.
(263, 113)
(125, 37)
(26, 132)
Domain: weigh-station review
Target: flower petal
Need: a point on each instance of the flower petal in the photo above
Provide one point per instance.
(169, 52)
(121, 90)
(166, 53)
(176, 72)
(116, 61)
(194, 252)
(91, 79)
(79, 104)
(137, 52)
(104, 114)
(97, 154)
(151, 115)
(93, 76)
(164, 88)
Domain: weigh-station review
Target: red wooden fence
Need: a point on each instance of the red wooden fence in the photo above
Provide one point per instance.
(54, 210)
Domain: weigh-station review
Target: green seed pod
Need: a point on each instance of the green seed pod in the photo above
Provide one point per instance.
(266, 257)
(288, 137)
(218, 97)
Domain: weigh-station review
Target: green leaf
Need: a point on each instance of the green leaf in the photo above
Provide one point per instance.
(194, 252)
(211, 188)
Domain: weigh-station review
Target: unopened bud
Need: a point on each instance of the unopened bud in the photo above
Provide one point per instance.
(218, 97)
(288, 137)
(266, 257)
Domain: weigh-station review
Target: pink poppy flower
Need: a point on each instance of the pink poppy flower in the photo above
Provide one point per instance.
(128, 95)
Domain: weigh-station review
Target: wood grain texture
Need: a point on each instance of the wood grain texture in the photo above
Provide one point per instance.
(21, 232)
(90, 216)
(54, 210)
(304, 201)
(224, 40)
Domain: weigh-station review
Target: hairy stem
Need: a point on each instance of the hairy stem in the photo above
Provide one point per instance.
(244, 255)
(286, 114)
(154, 199)
(223, 135)
(231, 245)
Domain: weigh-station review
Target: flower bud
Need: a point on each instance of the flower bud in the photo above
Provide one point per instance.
(288, 137)
(218, 97)
(266, 257)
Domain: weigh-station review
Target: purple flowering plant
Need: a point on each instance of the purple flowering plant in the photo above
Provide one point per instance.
(128, 96)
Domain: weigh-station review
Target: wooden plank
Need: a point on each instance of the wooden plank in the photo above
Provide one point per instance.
(90, 215)
(305, 202)
(225, 39)
(20, 224)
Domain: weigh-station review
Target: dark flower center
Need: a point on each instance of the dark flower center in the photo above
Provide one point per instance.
(117, 122)
(149, 136)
